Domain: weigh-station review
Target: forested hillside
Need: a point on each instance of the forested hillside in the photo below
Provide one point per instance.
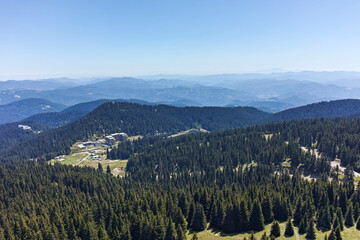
(338, 108)
(134, 119)
(22, 109)
(11, 134)
(57, 119)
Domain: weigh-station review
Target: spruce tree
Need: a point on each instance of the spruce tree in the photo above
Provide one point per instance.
(229, 221)
(267, 210)
(349, 220)
(310, 233)
(108, 170)
(160, 230)
(275, 229)
(181, 235)
(244, 224)
(340, 218)
(100, 168)
(289, 230)
(302, 226)
(256, 218)
(171, 233)
(338, 233)
(332, 235)
(198, 223)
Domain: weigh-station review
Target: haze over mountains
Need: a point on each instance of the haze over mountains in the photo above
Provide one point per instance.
(268, 92)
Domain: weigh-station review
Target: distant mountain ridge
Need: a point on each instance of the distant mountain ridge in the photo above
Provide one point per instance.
(271, 92)
(326, 109)
(22, 109)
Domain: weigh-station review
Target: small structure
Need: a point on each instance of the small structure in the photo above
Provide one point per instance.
(97, 143)
(87, 143)
(81, 146)
(24, 127)
(60, 158)
(96, 157)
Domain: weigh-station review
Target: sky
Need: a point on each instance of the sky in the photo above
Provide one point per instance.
(82, 38)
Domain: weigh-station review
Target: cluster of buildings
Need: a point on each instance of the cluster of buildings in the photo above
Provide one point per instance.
(113, 138)
(108, 141)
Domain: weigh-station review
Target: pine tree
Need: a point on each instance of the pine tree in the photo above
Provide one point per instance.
(108, 170)
(298, 212)
(310, 233)
(340, 218)
(229, 221)
(267, 210)
(338, 233)
(256, 217)
(275, 229)
(244, 223)
(181, 235)
(302, 226)
(332, 236)
(356, 211)
(349, 220)
(171, 231)
(100, 168)
(289, 230)
(198, 223)
(159, 230)
(102, 234)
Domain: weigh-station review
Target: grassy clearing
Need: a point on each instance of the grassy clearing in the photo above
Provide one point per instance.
(117, 166)
(209, 234)
(73, 159)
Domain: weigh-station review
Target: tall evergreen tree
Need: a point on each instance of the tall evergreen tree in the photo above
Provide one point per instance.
(349, 220)
(100, 168)
(289, 229)
(310, 233)
(302, 226)
(108, 170)
(198, 223)
(266, 207)
(275, 229)
(171, 233)
(256, 217)
(338, 233)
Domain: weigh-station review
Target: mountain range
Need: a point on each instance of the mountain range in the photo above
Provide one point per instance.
(268, 92)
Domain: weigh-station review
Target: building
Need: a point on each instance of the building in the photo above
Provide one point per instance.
(24, 127)
(110, 140)
(87, 143)
(81, 146)
(120, 136)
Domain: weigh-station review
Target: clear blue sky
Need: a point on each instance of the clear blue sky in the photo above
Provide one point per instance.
(85, 38)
